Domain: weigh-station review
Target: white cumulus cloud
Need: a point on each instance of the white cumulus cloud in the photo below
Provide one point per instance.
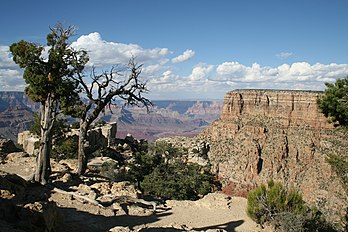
(311, 76)
(200, 72)
(166, 80)
(5, 58)
(103, 53)
(188, 54)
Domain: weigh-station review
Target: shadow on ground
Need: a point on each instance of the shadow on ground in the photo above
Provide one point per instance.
(75, 220)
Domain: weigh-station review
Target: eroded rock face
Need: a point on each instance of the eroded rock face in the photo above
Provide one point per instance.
(279, 135)
(290, 108)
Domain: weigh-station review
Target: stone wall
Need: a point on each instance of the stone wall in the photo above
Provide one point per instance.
(279, 135)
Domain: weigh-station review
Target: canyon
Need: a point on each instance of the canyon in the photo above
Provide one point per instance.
(164, 118)
(252, 137)
(279, 135)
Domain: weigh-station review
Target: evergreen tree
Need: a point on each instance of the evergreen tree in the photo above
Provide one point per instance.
(334, 102)
(49, 82)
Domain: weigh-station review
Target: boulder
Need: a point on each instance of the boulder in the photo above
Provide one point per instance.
(25, 206)
(28, 141)
(7, 146)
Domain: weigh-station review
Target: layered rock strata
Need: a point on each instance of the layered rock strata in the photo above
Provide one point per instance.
(279, 135)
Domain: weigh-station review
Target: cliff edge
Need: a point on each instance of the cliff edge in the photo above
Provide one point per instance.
(279, 135)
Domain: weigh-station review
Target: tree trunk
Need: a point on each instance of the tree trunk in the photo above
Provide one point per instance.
(83, 143)
(43, 167)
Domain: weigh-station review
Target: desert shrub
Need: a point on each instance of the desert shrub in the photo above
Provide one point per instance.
(161, 171)
(143, 164)
(149, 156)
(178, 181)
(284, 209)
(65, 148)
(265, 202)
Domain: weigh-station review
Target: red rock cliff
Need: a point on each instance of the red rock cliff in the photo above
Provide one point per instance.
(279, 135)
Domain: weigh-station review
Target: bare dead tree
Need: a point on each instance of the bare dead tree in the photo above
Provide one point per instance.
(101, 93)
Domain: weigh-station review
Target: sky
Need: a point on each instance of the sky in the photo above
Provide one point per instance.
(192, 49)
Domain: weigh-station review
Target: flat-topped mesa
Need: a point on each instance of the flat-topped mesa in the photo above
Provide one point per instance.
(290, 107)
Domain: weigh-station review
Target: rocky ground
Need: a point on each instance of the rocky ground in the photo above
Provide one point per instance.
(93, 203)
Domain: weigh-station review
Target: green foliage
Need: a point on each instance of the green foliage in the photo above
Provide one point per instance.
(340, 166)
(267, 201)
(285, 209)
(163, 172)
(159, 169)
(51, 76)
(178, 181)
(35, 128)
(65, 148)
(143, 164)
(334, 102)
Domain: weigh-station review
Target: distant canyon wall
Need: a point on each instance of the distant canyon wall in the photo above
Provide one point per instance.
(279, 135)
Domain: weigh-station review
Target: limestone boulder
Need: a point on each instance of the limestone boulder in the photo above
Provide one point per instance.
(29, 142)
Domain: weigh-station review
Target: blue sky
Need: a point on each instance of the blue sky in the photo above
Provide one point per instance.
(194, 48)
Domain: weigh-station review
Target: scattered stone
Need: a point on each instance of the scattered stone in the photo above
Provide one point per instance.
(66, 178)
(16, 155)
(120, 229)
(96, 164)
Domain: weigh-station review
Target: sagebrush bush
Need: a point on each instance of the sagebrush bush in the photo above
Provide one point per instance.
(265, 202)
(284, 209)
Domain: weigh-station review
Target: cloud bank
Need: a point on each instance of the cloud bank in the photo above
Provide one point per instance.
(166, 80)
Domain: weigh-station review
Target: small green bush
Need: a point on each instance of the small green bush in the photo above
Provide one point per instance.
(284, 209)
(265, 202)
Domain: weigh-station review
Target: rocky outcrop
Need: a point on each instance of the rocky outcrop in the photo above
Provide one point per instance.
(7, 146)
(25, 206)
(290, 108)
(28, 141)
(279, 135)
(102, 136)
